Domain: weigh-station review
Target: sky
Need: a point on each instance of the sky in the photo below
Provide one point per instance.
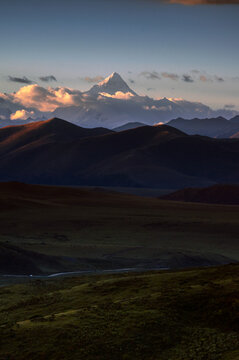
(161, 48)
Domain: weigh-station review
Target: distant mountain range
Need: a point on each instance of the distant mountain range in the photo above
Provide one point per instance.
(58, 152)
(110, 103)
(128, 126)
(215, 127)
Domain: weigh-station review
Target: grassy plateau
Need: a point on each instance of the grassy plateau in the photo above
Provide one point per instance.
(180, 315)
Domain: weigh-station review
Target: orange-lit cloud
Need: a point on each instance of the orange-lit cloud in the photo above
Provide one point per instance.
(205, 78)
(171, 76)
(35, 96)
(203, 2)
(22, 114)
(175, 99)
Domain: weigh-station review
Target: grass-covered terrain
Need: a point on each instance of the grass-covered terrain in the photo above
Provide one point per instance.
(48, 229)
(181, 315)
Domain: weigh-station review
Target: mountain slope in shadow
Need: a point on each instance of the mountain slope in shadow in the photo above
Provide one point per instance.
(43, 132)
(149, 156)
(217, 194)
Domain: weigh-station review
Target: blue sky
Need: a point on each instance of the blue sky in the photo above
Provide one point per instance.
(76, 39)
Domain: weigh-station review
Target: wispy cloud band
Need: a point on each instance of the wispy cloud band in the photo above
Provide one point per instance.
(23, 80)
(94, 79)
(200, 2)
(47, 78)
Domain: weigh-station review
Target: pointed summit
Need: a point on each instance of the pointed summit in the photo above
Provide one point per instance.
(113, 77)
(111, 85)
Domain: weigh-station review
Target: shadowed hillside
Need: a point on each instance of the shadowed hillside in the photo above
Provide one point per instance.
(13, 138)
(217, 194)
(56, 152)
(16, 261)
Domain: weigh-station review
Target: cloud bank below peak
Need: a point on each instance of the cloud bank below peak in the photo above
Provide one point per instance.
(110, 103)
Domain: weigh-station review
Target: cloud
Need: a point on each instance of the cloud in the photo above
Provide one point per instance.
(23, 80)
(170, 76)
(219, 79)
(35, 96)
(151, 75)
(195, 71)
(229, 106)
(201, 2)
(118, 95)
(22, 115)
(95, 79)
(47, 78)
(187, 78)
(175, 99)
(86, 108)
(205, 78)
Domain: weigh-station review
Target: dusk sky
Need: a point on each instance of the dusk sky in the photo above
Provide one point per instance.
(160, 49)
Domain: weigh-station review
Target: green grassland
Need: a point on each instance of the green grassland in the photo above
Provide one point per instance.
(181, 315)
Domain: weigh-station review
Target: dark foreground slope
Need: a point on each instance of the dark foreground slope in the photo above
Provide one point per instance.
(14, 261)
(82, 229)
(160, 157)
(217, 194)
(190, 315)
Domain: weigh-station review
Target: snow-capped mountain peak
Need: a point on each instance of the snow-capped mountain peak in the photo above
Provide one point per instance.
(111, 85)
(114, 75)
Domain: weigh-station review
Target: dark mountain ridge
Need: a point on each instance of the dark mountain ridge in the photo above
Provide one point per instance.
(217, 194)
(148, 156)
(44, 132)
